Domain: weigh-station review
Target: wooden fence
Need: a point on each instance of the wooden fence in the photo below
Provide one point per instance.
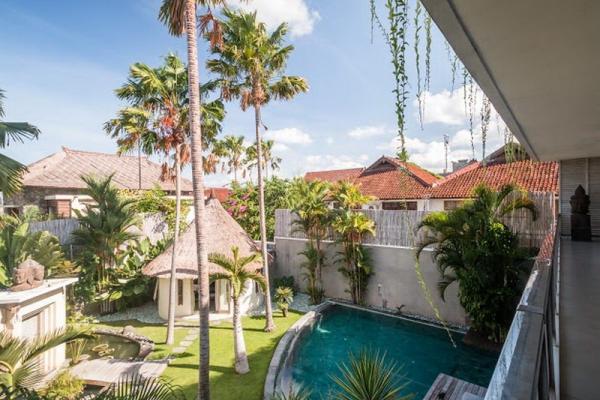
(400, 228)
(152, 226)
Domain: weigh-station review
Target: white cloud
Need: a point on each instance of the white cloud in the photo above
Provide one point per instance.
(300, 19)
(448, 107)
(363, 132)
(329, 140)
(280, 147)
(289, 136)
(330, 161)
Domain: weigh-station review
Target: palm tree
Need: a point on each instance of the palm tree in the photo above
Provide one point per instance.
(308, 200)
(104, 229)
(475, 248)
(250, 66)
(157, 120)
(11, 170)
(19, 363)
(180, 18)
(269, 159)
(237, 270)
(234, 151)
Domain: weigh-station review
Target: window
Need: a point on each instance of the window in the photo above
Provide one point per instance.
(452, 204)
(399, 205)
(180, 292)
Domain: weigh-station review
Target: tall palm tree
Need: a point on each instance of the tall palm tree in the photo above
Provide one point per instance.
(268, 158)
(180, 18)
(157, 121)
(237, 271)
(11, 170)
(234, 151)
(19, 363)
(250, 65)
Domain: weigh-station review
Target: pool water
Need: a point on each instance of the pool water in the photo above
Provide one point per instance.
(422, 351)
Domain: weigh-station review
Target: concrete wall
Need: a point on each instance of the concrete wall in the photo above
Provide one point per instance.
(584, 172)
(395, 278)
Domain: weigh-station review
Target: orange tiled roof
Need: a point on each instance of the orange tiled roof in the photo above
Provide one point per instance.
(530, 175)
(386, 179)
(65, 168)
(219, 193)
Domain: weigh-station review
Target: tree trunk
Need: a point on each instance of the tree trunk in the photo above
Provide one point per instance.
(239, 345)
(198, 190)
(270, 325)
(173, 280)
(140, 163)
(318, 272)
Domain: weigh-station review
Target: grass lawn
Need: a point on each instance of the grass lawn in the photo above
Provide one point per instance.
(225, 383)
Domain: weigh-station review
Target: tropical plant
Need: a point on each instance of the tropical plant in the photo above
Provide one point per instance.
(287, 281)
(156, 201)
(250, 65)
(243, 205)
(159, 103)
(64, 386)
(104, 230)
(238, 272)
(234, 151)
(478, 251)
(180, 18)
(308, 200)
(19, 362)
(11, 171)
(131, 387)
(269, 160)
(17, 244)
(369, 375)
(352, 226)
(284, 296)
(295, 393)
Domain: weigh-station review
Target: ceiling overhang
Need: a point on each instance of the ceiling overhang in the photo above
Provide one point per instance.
(538, 61)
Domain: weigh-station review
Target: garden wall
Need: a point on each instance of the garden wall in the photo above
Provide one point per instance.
(394, 283)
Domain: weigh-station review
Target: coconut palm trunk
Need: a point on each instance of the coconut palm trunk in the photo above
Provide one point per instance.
(269, 325)
(173, 281)
(198, 191)
(241, 357)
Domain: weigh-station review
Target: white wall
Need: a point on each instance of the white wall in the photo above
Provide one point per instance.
(394, 269)
(187, 308)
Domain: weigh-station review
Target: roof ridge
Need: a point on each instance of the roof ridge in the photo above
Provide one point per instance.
(99, 153)
(473, 164)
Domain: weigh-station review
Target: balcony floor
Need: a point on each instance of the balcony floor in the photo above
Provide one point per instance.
(580, 319)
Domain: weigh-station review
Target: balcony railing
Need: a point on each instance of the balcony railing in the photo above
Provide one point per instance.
(528, 364)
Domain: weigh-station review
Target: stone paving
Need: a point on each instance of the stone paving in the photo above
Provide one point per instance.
(192, 335)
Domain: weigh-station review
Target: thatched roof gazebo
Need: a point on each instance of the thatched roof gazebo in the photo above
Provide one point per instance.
(223, 233)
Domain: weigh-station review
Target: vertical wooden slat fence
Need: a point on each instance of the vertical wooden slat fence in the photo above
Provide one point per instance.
(399, 227)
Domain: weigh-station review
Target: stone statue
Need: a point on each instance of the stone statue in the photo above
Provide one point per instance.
(581, 227)
(28, 275)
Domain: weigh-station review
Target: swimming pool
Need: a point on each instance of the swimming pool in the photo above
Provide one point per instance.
(423, 351)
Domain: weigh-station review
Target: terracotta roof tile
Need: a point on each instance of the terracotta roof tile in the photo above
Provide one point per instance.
(65, 168)
(530, 175)
(334, 175)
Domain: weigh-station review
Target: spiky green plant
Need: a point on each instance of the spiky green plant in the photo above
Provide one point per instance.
(19, 363)
(295, 393)
(284, 296)
(369, 376)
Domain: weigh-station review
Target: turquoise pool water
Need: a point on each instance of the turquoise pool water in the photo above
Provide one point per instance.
(423, 351)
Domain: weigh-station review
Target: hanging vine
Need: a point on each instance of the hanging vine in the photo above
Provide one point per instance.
(397, 16)
(428, 42)
(417, 22)
(486, 110)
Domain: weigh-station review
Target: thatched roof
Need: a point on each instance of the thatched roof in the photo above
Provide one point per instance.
(223, 233)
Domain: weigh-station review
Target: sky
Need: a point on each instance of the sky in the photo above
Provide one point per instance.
(61, 62)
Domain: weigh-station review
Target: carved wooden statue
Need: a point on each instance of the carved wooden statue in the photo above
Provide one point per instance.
(581, 227)
(28, 275)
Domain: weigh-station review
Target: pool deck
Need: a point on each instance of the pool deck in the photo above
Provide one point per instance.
(449, 388)
(106, 372)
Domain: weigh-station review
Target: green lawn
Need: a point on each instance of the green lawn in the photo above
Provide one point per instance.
(225, 383)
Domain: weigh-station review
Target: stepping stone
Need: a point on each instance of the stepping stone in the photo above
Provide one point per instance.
(179, 350)
(193, 332)
(185, 343)
(190, 338)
